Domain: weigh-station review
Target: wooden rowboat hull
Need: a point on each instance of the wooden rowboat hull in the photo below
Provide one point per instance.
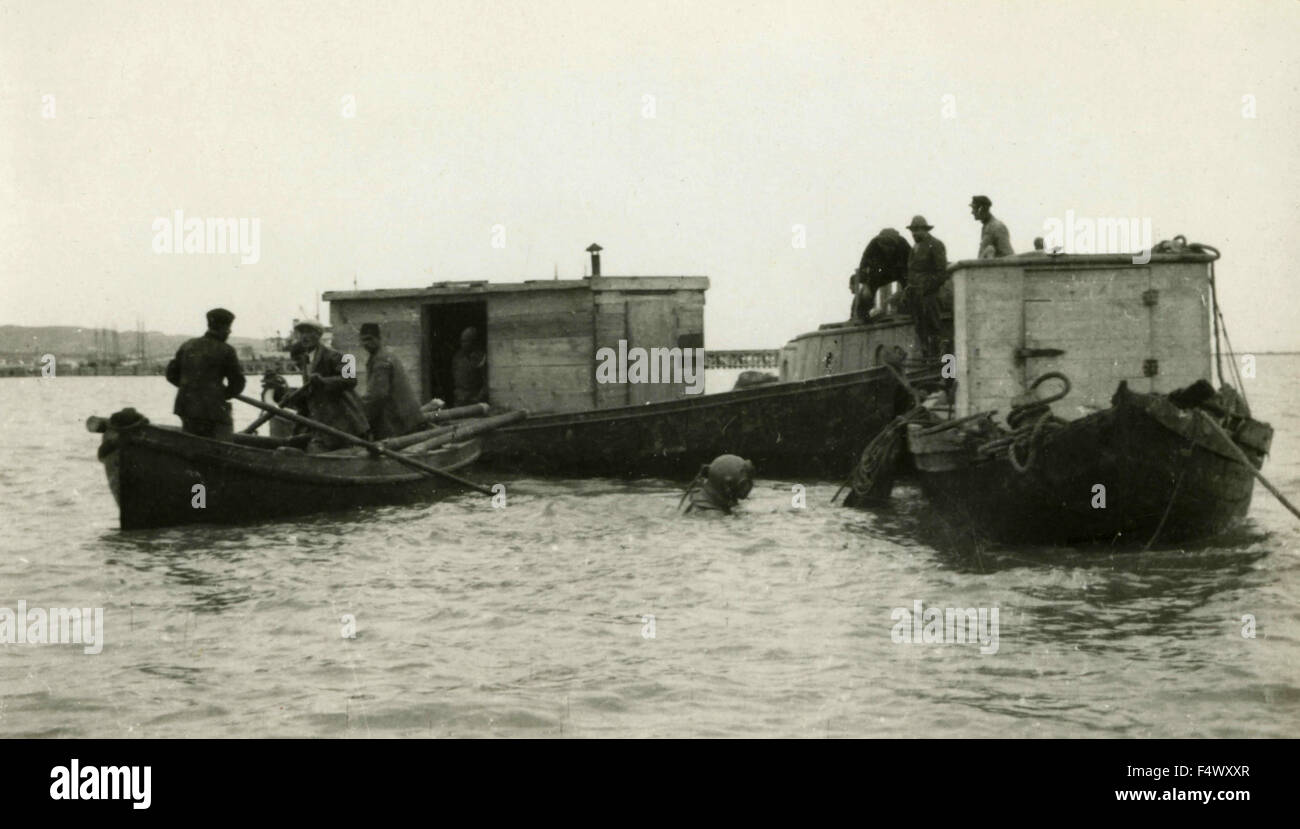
(1158, 470)
(153, 473)
(809, 429)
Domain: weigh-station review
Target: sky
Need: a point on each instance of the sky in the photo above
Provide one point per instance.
(395, 144)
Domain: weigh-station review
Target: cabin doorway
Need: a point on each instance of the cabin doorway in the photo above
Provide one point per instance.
(443, 324)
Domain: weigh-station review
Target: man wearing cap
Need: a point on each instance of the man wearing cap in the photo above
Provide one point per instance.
(995, 239)
(391, 406)
(330, 395)
(927, 270)
(197, 372)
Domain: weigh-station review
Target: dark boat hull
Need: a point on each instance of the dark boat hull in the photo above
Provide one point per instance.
(153, 473)
(1160, 470)
(807, 429)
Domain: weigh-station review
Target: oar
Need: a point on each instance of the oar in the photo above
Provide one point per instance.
(1245, 461)
(265, 416)
(353, 439)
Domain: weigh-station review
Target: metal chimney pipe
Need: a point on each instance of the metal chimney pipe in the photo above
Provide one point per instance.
(595, 250)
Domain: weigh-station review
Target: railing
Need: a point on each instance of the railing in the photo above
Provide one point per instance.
(766, 358)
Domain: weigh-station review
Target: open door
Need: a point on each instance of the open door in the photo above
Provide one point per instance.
(443, 324)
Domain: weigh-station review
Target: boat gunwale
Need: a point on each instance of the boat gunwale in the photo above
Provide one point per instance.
(707, 401)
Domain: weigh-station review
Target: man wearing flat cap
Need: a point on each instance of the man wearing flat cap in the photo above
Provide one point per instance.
(391, 405)
(330, 395)
(927, 270)
(995, 239)
(197, 371)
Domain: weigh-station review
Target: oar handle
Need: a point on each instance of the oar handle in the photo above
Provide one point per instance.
(373, 447)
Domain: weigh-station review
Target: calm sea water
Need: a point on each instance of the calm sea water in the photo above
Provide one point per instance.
(535, 620)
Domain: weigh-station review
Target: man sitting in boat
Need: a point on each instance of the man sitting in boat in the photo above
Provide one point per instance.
(329, 395)
(927, 271)
(884, 261)
(469, 370)
(202, 400)
(995, 239)
(391, 405)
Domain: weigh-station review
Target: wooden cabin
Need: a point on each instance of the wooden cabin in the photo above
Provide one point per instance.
(1098, 319)
(541, 336)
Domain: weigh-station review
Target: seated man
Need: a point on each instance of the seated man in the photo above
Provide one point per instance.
(329, 397)
(391, 406)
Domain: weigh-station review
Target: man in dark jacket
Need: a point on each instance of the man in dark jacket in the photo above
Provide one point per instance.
(197, 371)
(927, 270)
(884, 261)
(391, 406)
(330, 397)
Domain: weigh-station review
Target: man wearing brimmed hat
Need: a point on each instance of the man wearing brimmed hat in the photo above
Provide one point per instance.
(927, 270)
(995, 239)
(330, 396)
(197, 371)
(391, 405)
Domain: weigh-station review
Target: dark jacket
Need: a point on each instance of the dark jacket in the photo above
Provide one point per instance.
(391, 405)
(197, 371)
(331, 399)
(927, 266)
(469, 377)
(884, 261)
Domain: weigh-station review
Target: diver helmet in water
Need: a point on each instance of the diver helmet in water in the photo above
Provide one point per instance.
(722, 483)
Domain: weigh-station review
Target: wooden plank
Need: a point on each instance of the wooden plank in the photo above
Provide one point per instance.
(543, 351)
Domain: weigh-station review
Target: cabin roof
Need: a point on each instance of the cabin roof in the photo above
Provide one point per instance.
(626, 284)
(1035, 259)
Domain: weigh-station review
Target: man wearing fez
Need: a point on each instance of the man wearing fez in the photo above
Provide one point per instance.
(391, 406)
(469, 370)
(995, 239)
(927, 270)
(329, 397)
(197, 371)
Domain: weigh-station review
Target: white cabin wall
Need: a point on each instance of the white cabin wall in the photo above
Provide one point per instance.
(1096, 313)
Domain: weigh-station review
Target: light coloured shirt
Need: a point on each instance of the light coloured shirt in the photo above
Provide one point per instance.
(995, 239)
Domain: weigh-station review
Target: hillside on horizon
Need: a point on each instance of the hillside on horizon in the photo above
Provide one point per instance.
(79, 342)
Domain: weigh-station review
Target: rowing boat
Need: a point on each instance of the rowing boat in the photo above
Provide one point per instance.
(161, 476)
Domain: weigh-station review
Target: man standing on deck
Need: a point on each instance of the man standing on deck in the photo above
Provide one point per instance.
(391, 406)
(329, 397)
(995, 239)
(469, 370)
(927, 270)
(197, 371)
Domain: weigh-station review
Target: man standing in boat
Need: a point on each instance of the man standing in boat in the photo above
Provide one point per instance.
(391, 406)
(330, 395)
(469, 370)
(197, 371)
(927, 270)
(995, 239)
